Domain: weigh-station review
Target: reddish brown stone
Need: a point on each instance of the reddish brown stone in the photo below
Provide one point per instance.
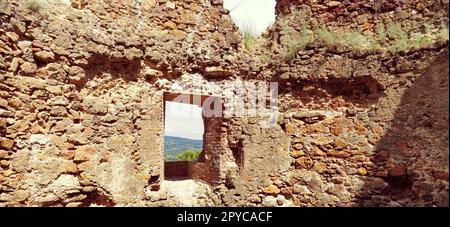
(286, 191)
(382, 156)
(338, 154)
(336, 131)
(382, 173)
(441, 175)
(398, 170)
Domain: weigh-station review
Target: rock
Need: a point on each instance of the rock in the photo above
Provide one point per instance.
(4, 163)
(216, 71)
(398, 170)
(296, 153)
(291, 128)
(5, 113)
(3, 64)
(297, 146)
(317, 151)
(58, 101)
(149, 73)
(25, 46)
(3, 154)
(58, 111)
(269, 201)
(170, 5)
(271, 190)
(48, 199)
(56, 90)
(21, 196)
(39, 139)
(74, 204)
(3, 103)
(280, 200)
(74, 198)
(338, 154)
(336, 131)
(301, 189)
(88, 189)
(309, 117)
(377, 184)
(95, 106)
(254, 199)
(333, 4)
(8, 172)
(68, 167)
(16, 103)
(61, 126)
(77, 139)
(362, 171)
(382, 156)
(394, 204)
(339, 144)
(76, 74)
(3, 123)
(133, 53)
(18, 25)
(303, 163)
(63, 184)
(170, 25)
(13, 36)
(420, 6)
(286, 191)
(84, 153)
(28, 68)
(54, 71)
(6, 144)
(232, 38)
(180, 35)
(320, 167)
(441, 175)
(44, 56)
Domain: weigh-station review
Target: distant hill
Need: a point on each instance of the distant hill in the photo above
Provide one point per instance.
(175, 145)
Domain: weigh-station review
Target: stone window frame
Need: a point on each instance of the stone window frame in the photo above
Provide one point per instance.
(207, 167)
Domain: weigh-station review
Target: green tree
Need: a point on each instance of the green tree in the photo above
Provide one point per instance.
(189, 155)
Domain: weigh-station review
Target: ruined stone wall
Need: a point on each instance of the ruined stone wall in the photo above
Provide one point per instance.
(81, 110)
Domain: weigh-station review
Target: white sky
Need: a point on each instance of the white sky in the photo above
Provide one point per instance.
(183, 120)
(251, 16)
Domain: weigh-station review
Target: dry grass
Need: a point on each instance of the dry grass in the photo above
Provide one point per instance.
(34, 5)
(390, 37)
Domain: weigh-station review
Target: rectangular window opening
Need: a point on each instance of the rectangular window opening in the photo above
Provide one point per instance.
(183, 137)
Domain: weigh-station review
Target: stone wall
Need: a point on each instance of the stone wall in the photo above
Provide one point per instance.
(82, 87)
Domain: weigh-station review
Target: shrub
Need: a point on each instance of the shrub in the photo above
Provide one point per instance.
(189, 155)
(34, 5)
(249, 40)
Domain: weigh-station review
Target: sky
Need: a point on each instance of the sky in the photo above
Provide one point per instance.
(251, 16)
(183, 120)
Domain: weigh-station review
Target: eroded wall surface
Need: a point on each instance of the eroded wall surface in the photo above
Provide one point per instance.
(81, 109)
